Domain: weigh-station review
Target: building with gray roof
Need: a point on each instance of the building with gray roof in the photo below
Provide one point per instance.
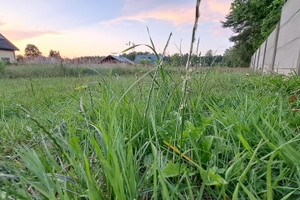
(147, 58)
(116, 59)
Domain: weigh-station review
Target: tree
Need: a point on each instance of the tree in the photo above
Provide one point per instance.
(146, 62)
(20, 58)
(231, 58)
(209, 57)
(272, 19)
(251, 21)
(131, 56)
(176, 60)
(32, 51)
(54, 54)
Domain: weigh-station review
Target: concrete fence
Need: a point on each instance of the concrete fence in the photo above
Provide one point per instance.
(280, 53)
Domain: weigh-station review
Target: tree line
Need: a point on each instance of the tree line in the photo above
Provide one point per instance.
(176, 60)
(33, 53)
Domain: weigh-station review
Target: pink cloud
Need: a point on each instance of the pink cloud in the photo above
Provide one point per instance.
(12, 33)
(175, 14)
(220, 6)
(210, 11)
(21, 35)
(214, 10)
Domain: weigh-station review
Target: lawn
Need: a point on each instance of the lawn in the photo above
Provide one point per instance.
(111, 135)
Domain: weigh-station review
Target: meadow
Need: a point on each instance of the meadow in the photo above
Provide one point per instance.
(125, 134)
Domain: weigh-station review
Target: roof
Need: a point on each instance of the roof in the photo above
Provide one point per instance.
(118, 58)
(122, 59)
(150, 57)
(6, 44)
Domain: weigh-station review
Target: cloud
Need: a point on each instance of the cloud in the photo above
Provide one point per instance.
(177, 14)
(21, 35)
(11, 32)
(220, 6)
(214, 10)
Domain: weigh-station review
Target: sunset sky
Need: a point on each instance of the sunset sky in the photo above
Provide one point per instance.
(97, 27)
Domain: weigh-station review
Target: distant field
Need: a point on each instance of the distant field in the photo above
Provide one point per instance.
(94, 133)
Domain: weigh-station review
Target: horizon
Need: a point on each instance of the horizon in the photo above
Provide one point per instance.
(104, 28)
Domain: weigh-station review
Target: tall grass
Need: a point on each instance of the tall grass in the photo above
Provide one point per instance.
(58, 70)
(239, 129)
(206, 135)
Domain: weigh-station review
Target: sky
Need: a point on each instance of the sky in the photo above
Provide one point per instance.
(97, 28)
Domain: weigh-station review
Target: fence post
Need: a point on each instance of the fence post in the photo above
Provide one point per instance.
(254, 61)
(298, 64)
(258, 58)
(275, 48)
(263, 62)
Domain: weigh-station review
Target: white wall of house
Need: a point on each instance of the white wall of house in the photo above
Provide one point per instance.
(4, 54)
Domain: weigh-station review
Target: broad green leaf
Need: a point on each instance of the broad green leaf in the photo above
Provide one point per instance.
(206, 144)
(172, 170)
(210, 177)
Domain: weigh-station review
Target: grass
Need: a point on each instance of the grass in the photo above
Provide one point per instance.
(88, 136)
(207, 134)
(65, 70)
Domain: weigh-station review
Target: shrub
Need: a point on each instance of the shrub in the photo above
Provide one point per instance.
(146, 62)
(3, 64)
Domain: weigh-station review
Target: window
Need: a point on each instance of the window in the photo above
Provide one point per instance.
(5, 59)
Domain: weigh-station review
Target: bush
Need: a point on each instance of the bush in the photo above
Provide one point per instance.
(146, 62)
(3, 64)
